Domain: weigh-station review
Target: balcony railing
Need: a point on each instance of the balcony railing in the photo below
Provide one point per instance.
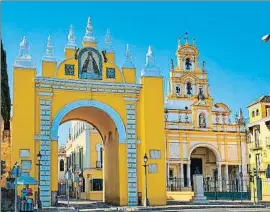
(98, 165)
(256, 145)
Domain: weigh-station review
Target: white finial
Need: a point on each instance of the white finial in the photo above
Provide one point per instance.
(179, 41)
(186, 38)
(89, 35)
(108, 41)
(24, 59)
(71, 44)
(49, 51)
(128, 59)
(194, 42)
(150, 68)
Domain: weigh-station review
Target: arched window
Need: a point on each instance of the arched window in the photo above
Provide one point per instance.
(256, 135)
(188, 64)
(202, 120)
(177, 90)
(189, 88)
(62, 165)
(253, 113)
(257, 112)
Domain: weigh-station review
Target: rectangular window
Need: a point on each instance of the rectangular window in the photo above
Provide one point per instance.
(110, 73)
(96, 184)
(155, 154)
(69, 69)
(258, 161)
(24, 153)
(26, 164)
(152, 168)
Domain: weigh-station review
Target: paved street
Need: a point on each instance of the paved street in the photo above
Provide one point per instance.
(84, 206)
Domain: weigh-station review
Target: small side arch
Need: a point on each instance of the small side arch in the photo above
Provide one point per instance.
(210, 146)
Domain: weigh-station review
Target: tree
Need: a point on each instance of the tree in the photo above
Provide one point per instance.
(5, 93)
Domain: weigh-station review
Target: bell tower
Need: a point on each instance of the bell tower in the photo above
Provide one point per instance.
(188, 81)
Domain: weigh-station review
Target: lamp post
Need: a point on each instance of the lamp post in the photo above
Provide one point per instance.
(266, 38)
(146, 201)
(38, 164)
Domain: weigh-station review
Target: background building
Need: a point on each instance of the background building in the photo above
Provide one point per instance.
(200, 136)
(85, 158)
(258, 137)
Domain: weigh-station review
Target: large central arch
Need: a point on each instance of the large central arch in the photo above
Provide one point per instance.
(89, 103)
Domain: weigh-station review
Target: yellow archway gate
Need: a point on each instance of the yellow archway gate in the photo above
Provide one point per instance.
(89, 86)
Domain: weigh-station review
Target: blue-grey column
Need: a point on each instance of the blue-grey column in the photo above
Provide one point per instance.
(45, 148)
(131, 150)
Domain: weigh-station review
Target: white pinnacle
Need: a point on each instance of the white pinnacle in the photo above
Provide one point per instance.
(128, 59)
(179, 41)
(24, 59)
(150, 59)
(108, 42)
(71, 39)
(108, 38)
(49, 51)
(150, 68)
(24, 51)
(89, 32)
(194, 42)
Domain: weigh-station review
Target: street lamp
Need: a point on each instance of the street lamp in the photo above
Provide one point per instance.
(146, 201)
(38, 164)
(266, 38)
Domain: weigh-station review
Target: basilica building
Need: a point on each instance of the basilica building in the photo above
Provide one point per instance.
(199, 135)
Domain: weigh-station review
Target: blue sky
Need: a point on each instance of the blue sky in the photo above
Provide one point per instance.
(228, 35)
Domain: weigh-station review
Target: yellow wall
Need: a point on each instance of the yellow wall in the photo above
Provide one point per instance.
(152, 136)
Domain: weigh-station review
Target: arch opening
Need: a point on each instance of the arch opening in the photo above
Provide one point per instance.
(93, 169)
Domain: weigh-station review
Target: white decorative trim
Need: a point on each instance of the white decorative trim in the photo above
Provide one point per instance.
(89, 103)
(207, 145)
(81, 85)
(45, 94)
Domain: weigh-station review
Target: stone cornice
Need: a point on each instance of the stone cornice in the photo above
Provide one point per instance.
(82, 85)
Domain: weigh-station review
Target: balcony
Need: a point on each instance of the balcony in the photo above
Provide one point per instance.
(256, 145)
(98, 164)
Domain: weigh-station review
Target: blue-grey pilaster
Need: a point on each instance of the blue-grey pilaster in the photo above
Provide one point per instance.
(45, 148)
(131, 150)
